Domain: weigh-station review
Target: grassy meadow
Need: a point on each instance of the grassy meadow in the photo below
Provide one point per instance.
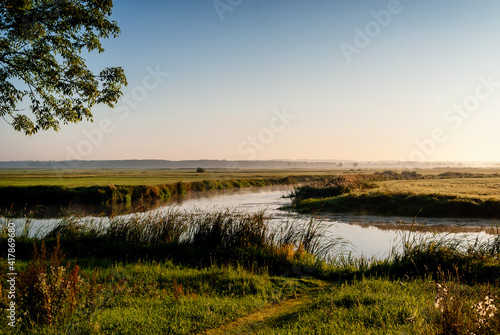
(447, 194)
(104, 177)
(120, 191)
(435, 192)
(479, 187)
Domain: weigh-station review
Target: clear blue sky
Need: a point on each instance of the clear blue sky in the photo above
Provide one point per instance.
(292, 79)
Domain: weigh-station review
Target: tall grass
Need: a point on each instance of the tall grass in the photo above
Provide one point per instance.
(339, 185)
(473, 258)
(223, 232)
(311, 237)
(52, 293)
(332, 187)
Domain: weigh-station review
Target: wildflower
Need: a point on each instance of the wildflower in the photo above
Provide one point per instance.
(437, 303)
(486, 310)
(440, 297)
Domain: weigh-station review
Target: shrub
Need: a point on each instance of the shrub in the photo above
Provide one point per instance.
(393, 175)
(332, 187)
(50, 292)
(182, 188)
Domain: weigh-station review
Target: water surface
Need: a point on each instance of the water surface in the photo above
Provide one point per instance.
(370, 236)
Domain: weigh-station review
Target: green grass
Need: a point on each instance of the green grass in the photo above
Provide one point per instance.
(404, 204)
(23, 198)
(103, 177)
(366, 306)
(442, 195)
(224, 272)
(164, 298)
(161, 298)
(385, 306)
(24, 191)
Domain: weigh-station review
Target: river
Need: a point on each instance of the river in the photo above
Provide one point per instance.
(369, 236)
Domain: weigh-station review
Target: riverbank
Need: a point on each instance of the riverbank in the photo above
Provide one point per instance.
(403, 204)
(12, 197)
(410, 194)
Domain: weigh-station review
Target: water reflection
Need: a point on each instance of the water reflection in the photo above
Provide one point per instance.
(371, 236)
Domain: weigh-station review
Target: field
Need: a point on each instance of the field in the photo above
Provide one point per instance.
(80, 178)
(468, 192)
(104, 177)
(29, 192)
(445, 194)
(481, 188)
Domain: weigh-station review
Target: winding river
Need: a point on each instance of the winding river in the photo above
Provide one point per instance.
(369, 236)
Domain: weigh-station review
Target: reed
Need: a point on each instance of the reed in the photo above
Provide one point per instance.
(424, 254)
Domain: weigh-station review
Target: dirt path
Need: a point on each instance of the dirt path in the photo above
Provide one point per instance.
(248, 324)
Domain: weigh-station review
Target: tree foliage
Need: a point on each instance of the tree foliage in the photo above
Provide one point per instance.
(41, 42)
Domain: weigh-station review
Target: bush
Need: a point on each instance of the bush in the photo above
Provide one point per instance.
(332, 187)
(200, 170)
(49, 292)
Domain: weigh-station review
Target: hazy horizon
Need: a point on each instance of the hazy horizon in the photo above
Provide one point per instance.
(290, 80)
(346, 162)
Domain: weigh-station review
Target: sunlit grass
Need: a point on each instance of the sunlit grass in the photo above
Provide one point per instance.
(189, 272)
(480, 188)
(104, 177)
(405, 194)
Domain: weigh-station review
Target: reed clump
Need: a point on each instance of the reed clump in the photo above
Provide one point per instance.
(332, 187)
(226, 235)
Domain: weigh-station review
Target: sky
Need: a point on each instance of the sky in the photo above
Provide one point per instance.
(291, 79)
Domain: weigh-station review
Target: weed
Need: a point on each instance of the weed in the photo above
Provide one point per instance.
(456, 311)
(50, 292)
(177, 290)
